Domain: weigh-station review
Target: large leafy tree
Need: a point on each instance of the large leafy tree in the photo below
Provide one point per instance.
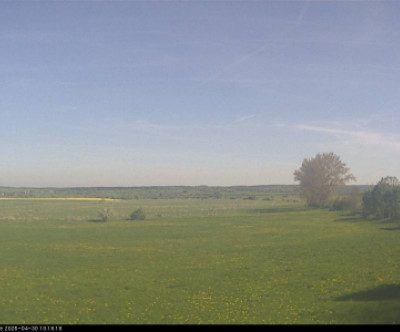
(319, 178)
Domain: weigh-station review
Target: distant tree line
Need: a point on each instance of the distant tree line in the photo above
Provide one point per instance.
(154, 192)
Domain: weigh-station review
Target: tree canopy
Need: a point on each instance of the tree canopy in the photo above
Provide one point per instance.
(320, 176)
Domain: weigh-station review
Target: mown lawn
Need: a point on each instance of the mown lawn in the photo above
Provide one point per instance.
(195, 261)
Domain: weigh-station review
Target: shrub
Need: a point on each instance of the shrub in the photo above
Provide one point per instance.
(383, 201)
(105, 214)
(138, 214)
(340, 204)
(352, 202)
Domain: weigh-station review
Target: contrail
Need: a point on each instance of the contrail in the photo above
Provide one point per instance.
(302, 13)
(246, 57)
(235, 63)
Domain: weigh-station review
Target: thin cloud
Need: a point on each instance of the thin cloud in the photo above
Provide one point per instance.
(302, 13)
(243, 118)
(265, 45)
(364, 137)
(236, 63)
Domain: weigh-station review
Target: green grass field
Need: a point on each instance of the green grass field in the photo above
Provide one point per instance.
(212, 261)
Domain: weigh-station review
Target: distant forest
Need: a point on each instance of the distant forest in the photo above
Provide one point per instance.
(168, 192)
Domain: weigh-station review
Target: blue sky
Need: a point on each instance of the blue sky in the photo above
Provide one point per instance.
(132, 93)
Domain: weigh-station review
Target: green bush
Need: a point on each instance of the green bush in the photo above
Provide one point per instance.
(138, 214)
(349, 202)
(383, 201)
(105, 214)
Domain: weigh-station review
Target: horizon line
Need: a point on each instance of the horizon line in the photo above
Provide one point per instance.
(165, 186)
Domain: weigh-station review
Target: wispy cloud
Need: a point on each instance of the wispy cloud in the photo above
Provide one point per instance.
(360, 136)
(244, 118)
(28, 36)
(302, 13)
(232, 65)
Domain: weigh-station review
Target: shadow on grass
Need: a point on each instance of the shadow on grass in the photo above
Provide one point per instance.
(391, 228)
(390, 224)
(98, 221)
(350, 218)
(278, 210)
(381, 293)
(393, 224)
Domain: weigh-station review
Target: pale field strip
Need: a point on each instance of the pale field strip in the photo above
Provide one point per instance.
(57, 199)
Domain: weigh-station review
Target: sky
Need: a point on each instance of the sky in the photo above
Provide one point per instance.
(219, 93)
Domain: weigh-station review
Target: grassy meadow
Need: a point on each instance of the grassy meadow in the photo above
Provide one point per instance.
(213, 261)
